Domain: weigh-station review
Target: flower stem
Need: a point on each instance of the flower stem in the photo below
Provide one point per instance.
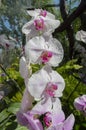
(11, 79)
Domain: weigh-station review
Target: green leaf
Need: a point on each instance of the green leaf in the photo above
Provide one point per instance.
(4, 115)
(14, 107)
(21, 128)
(11, 125)
(77, 66)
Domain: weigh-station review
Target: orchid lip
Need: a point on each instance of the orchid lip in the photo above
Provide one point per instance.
(45, 56)
(39, 24)
(47, 119)
(50, 89)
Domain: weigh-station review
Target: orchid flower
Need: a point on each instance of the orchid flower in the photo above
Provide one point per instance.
(65, 125)
(40, 25)
(81, 36)
(46, 83)
(52, 118)
(51, 114)
(37, 50)
(29, 120)
(7, 43)
(40, 12)
(80, 104)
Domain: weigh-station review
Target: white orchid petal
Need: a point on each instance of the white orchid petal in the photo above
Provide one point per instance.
(59, 81)
(69, 122)
(34, 13)
(23, 67)
(57, 105)
(33, 48)
(37, 83)
(27, 100)
(51, 23)
(43, 106)
(56, 48)
(81, 36)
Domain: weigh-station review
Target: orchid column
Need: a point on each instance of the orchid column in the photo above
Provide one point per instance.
(45, 86)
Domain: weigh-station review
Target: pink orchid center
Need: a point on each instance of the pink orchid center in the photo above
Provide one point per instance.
(46, 56)
(43, 13)
(50, 89)
(39, 24)
(47, 119)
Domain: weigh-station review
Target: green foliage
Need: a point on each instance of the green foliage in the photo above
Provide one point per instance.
(14, 107)
(73, 89)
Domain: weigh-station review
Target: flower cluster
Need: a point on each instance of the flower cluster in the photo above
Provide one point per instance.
(41, 106)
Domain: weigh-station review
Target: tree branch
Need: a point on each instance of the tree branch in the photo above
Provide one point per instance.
(69, 29)
(80, 9)
(12, 80)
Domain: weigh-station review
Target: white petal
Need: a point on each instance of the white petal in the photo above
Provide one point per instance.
(49, 15)
(81, 36)
(37, 83)
(58, 117)
(56, 105)
(43, 106)
(69, 122)
(26, 28)
(56, 48)
(23, 68)
(57, 79)
(33, 48)
(51, 24)
(34, 13)
(27, 101)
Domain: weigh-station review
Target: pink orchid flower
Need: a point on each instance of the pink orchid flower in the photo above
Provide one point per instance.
(29, 120)
(52, 113)
(80, 104)
(64, 125)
